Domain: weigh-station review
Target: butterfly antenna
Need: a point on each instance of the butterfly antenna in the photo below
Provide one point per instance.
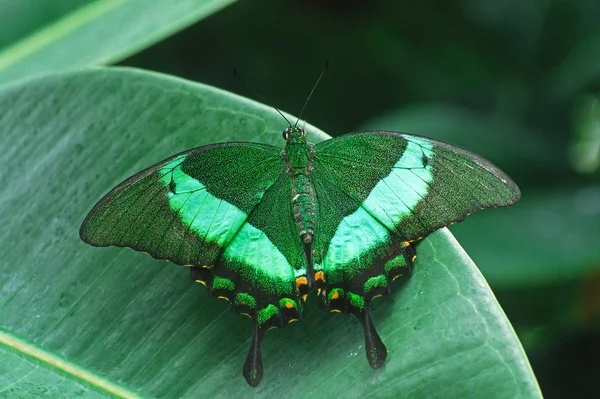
(257, 94)
(311, 92)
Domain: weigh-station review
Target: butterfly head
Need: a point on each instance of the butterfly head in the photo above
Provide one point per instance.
(294, 135)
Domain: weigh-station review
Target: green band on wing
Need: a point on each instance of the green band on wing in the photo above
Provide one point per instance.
(197, 208)
(375, 282)
(245, 299)
(355, 236)
(259, 261)
(356, 300)
(266, 313)
(396, 195)
(395, 263)
(220, 283)
(392, 199)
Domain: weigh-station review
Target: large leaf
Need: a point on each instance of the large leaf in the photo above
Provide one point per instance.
(80, 33)
(116, 322)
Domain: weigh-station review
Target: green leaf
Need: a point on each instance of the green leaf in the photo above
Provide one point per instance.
(87, 33)
(111, 321)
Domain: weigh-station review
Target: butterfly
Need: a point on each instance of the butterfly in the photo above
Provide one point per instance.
(261, 226)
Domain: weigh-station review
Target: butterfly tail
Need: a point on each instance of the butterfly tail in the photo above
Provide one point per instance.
(375, 349)
(253, 366)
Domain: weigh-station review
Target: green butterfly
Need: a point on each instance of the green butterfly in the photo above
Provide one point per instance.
(260, 226)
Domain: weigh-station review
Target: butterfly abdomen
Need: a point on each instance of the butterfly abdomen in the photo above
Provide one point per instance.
(303, 193)
(303, 197)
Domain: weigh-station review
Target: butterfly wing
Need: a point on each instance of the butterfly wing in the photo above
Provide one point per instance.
(264, 261)
(377, 191)
(226, 211)
(413, 185)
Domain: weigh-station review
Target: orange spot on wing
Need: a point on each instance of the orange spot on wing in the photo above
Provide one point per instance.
(335, 295)
(300, 281)
(289, 305)
(320, 276)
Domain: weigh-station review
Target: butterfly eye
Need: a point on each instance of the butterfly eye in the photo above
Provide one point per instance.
(286, 133)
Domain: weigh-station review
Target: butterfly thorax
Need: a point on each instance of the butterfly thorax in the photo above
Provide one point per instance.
(297, 155)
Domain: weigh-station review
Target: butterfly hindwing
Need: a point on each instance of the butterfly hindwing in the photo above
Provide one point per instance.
(266, 262)
(353, 257)
(266, 255)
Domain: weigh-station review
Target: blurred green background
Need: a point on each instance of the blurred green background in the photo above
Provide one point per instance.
(514, 80)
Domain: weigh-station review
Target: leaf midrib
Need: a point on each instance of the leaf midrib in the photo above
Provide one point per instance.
(51, 33)
(65, 367)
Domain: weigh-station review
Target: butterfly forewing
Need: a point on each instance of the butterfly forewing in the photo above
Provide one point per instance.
(188, 207)
(412, 184)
